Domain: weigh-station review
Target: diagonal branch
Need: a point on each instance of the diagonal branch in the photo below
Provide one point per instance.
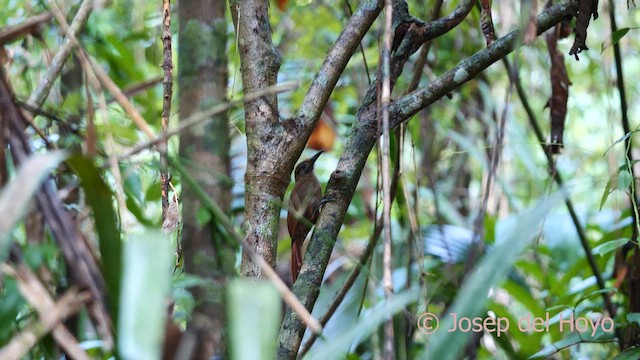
(364, 133)
(334, 65)
(408, 105)
(30, 26)
(42, 91)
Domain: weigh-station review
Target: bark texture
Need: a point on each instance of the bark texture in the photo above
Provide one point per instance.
(202, 82)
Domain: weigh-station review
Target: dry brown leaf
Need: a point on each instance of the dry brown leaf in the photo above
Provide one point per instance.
(586, 8)
(559, 91)
(486, 22)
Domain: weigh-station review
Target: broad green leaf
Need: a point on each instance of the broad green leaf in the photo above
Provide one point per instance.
(100, 198)
(489, 272)
(254, 319)
(146, 284)
(15, 196)
(609, 246)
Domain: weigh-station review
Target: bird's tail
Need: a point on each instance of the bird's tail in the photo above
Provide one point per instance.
(296, 259)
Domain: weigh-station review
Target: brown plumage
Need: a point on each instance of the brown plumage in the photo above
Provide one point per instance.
(303, 209)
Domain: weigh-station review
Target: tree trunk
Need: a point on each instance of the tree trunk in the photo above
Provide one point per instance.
(202, 80)
(267, 177)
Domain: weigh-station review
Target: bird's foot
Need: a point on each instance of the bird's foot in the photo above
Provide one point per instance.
(325, 200)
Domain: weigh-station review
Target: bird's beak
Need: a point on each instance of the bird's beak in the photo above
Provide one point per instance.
(316, 156)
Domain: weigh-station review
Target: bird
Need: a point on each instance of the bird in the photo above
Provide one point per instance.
(304, 204)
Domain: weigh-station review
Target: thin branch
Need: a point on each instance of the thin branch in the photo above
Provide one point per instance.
(405, 107)
(335, 63)
(478, 225)
(424, 52)
(29, 26)
(202, 116)
(558, 179)
(167, 67)
(105, 80)
(78, 258)
(625, 117)
(360, 47)
(44, 87)
(357, 269)
(92, 81)
(387, 278)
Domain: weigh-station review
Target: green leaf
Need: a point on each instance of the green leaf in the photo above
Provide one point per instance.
(633, 318)
(203, 216)
(153, 192)
(619, 140)
(364, 328)
(595, 293)
(100, 198)
(146, 284)
(254, 319)
(490, 271)
(619, 34)
(605, 194)
(15, 196)
(134, 207)
(630, 354)
(615, 38)
(609, 246)
(624, 180)
(11, 302)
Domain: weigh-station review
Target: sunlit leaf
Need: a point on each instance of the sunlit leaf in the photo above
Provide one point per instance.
(492, 268)
(146, 284)
(609, 246)
(254, 319)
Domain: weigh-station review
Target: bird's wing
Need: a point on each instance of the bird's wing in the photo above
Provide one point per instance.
(313, 201)
(308, 200)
